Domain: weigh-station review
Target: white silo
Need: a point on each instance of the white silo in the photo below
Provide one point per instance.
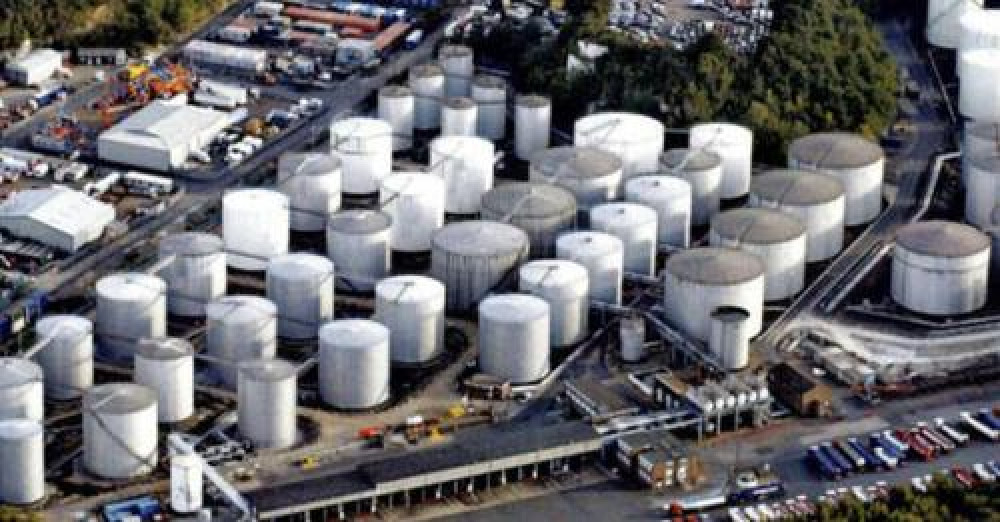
(458, 66)
(22, 389)
(357, 242)
(130, 306)
(490, 95)
(591, 174)
(267, 403)
(541, 210)
(777, 238)
(979, 29)
(979, 139)
(475, 258)
(817, 200)
(632, 338)
(702, 169)
(565, 286)
(635, 225)
(982, 180)
(699, 280)
(940, 268)
(636, 139)
(729, 338)
(415, 202)
(427, 84)
(734, 144)
(532, 125)
(354, 364)
(67, 360)
(364, 146)
(859, 164)
(943, 18)
(301, 286)
(165, 365)
(240, 328)
(458, 116)
(255, 224)
(312, 182)
(22, 452)
(670, 198)
(120, 431)
(514, 337)
(412, 307)
(186, 484)
(603, 255)
(196, 272)
(466, 165)
(979, 90)
(396, 105)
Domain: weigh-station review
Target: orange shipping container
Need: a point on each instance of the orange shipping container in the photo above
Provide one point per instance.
(336, 19)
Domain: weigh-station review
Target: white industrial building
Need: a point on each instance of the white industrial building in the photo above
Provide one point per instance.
(56, 216)
(161, 136)
(35, 67)
(229, 56)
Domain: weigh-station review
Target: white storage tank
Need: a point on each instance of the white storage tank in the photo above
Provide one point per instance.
(458, 116)
(982, 179)
(670, 198)
(397, 106)
(312, 182)
(734, 144)
(979, 29)
(130, 306)
(699, 280)
(815, 199)
(466, 165)
(702, 169)
(636, 139)
(940, 268)
(458, 67)
(412, 307)
(120, 431)
(979, 139)
(67, 360)
(358, 243)
(532, 125)
(565, 285)
(196, 273)
(777, 238)
(22, 389)
(632, 338)
(635, 226)
(541, 210)
(165, 365)
(415, 202)
(591, 174)
(427, 84)
(255, 224)
(301, 286)
(475, 258)
(354, 364)
(490, 95)
(22, 452)
(267, 403)
(943, 16)
(514, 337)
(364, 146)
(186, 484)
(979, 90)
(603, 255)
(858, 163)
(729, 338)
(240, 328)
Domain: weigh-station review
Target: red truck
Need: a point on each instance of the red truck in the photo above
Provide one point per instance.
(917, 445)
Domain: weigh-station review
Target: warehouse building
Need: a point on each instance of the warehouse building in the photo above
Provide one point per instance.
(231, 57)
(57, 216)
(656, 459)
(34, 68)
(802, 392)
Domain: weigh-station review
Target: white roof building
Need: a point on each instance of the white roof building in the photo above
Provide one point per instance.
(36, 67)
(57, 216)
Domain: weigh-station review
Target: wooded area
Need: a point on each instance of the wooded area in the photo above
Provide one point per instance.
(945, 502)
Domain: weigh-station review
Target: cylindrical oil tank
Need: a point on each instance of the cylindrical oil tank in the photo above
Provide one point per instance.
(982, 178)
(943, 16)
(312, 182)
(354, 364)
(474, 258)
(635, 225)
(119, 430)
(702, 169)
(541, 210)
(734, 144)
(514, 337)
(940, 268)
(22, 452)
(591, 174)
(415, 201)
(858, 163)
(397, 106)
(458, 116)
(979, 139)
(22, 389)
(267, 403)
(466, 165)
(532, 125)
(729, 338)
(699, 280)
(778, 239)
(165, 365)
(195, 273)
(632, 338)
(565, 285)
(364, 146)
(130, 306)
(457, 63)
(979, 29)
(816, 200)
(603, 255)
(670, 198)
(240, 328)
(979, 90)
(67, 360)
(427, 84)
(255, 224)
(490, 95)
(412, 307)
(301, 286)
(358, 243)
(186, 483)
(636, 139)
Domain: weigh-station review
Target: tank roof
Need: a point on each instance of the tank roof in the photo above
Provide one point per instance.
(454, 51)
(715, 266)
(164, 348)
(576, 162)
(307, 164)
(835, 150)
(128, 283)
(360, 128)
(553, 272)
(533, 101)
(479, 238)
(459, 102)
(267, 370)
(698, 160)
(528, 200)
(15, 371)
(489, 81)
(395, 91)
(354, 333)
(757, 225)
(191, 244)
(426, 70)
(408, 288)
(514, 308)
(359, 221)
(241, 309)
(118, 398)
(796, 187)
(65, 323)
(942, 239)
(622, 214)
(590, 242)
(15, 429)
(300, 265)
(252, 197)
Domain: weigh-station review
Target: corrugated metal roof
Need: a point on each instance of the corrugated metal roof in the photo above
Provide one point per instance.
(66, 210)
(162, 124)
